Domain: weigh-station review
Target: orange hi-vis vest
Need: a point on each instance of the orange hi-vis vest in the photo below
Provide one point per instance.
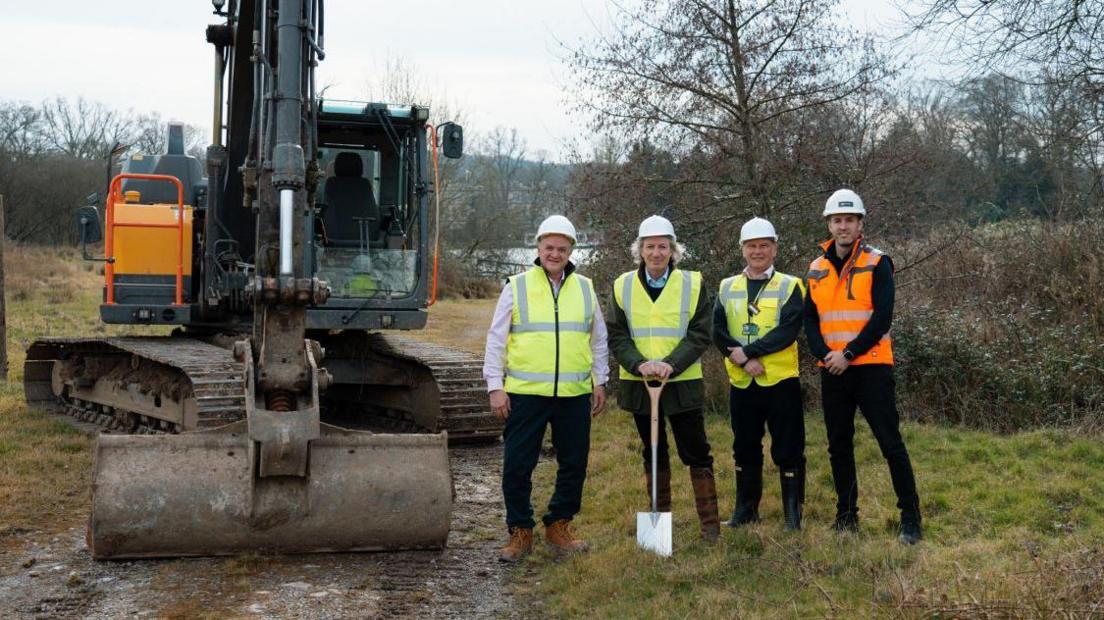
(844, 300)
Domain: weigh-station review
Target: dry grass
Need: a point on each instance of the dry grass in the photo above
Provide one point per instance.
(44, 463)
(1014, 527)
(44, 469)
(459, 323)
(52, 274)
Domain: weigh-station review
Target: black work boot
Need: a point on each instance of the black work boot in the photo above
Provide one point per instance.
(910, 532)
(846, 521)
(749, 489)
(793, 491)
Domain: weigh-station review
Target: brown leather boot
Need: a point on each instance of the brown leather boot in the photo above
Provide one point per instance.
(521, 543)
(663, 488)
(705, 498)
(557, 536)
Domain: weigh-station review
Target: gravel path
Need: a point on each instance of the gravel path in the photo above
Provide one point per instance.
(51, 575)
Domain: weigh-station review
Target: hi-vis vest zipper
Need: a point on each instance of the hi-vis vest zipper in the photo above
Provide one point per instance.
(657, 327)
(845, 303)
(548, 349)
(746, 329)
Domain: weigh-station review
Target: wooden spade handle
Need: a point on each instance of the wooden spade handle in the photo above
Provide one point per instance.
(653, 395)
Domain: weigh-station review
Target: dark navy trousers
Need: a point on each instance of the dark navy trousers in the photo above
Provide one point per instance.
(871, 388)
(530, 415)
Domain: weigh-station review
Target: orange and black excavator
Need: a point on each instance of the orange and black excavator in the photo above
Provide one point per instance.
(283, 413)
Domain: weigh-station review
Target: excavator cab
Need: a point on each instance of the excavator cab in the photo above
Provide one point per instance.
(366, 243)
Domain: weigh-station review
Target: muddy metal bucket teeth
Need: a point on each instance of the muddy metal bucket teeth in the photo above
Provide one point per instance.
(277, 482)
(197, 494)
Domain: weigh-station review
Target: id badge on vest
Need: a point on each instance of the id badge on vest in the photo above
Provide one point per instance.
(750, 329)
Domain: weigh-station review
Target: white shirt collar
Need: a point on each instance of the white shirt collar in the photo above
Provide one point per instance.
(766, 275)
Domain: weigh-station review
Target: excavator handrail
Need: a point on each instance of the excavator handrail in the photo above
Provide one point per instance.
(437, 215)
(110, 225)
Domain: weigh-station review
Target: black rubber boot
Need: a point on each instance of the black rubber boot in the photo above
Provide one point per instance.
(846, 521)
(911, 531)
(749, 490)
(793, 492)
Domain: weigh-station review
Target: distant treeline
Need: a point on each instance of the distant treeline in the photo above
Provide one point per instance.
(53, 155)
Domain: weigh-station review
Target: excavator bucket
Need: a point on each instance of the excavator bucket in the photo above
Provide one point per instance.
(200, 493)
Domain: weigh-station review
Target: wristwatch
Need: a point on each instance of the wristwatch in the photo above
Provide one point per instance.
(848, 355)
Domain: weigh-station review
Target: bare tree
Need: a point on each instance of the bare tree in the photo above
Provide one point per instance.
(1064, 37)
(726, 77)
(149, 135)
(85, 130)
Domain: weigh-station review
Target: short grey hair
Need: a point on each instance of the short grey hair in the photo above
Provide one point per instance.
(678, 251)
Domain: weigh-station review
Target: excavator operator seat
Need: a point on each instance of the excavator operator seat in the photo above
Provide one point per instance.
(349, 199)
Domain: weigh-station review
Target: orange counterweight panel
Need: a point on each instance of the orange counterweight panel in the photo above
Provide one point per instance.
(150, 251)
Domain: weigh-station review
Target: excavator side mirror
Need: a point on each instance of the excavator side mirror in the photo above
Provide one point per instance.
(452, 140)
(88, 223)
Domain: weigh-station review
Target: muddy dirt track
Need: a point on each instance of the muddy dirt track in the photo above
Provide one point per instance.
(51, 575)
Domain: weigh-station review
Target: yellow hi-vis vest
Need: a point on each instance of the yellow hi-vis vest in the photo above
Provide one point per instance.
(733, 295)
(657, 327)
(548, 350)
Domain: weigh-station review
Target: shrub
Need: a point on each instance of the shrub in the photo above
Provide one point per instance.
(1005, 329)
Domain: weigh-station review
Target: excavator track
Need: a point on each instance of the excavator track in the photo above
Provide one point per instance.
(465, 412)
(207, 380)
(203, 378)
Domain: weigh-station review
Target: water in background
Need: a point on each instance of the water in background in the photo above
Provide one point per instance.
(500, 263)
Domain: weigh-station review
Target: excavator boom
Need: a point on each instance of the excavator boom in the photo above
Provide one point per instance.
(233, 454)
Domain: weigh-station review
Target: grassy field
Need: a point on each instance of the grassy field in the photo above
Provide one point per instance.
(1013, 527)
(1014, 524)
(44, 463)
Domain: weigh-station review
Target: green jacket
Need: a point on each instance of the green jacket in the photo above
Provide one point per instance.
(680, 396)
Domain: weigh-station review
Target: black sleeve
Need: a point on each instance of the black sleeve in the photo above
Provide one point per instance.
(621, 344)
(698, 333)
(721, 338)
(882, 295)
(784, 334)
(817, 346)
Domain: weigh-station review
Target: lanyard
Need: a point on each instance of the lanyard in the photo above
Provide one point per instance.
(751, 329)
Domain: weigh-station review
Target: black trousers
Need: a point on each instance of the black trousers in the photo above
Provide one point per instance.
(569, 418)
(688, 428)
(779, 408)
(871, 388)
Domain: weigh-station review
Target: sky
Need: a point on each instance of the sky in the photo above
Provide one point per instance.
(500, 62)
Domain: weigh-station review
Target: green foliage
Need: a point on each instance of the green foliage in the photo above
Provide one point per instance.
(1006, 329)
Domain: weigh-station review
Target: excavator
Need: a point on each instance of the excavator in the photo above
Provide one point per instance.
(279, 412)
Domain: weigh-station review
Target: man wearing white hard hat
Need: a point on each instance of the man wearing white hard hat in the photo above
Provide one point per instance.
(847, 323)
(546, 364)
(659, 327)
(756, 320)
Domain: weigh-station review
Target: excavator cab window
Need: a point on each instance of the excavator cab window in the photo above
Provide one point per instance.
(364, 202)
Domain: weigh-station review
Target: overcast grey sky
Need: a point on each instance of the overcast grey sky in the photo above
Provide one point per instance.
(498, 60)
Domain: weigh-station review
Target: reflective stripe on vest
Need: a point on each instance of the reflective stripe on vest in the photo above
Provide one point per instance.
(845, 304)
(657, 327)
(548, 350)
(733, 294)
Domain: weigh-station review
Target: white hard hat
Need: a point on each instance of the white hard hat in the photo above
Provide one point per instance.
(656, 226)
(556, 225)
(844, 201)
(757, 228)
